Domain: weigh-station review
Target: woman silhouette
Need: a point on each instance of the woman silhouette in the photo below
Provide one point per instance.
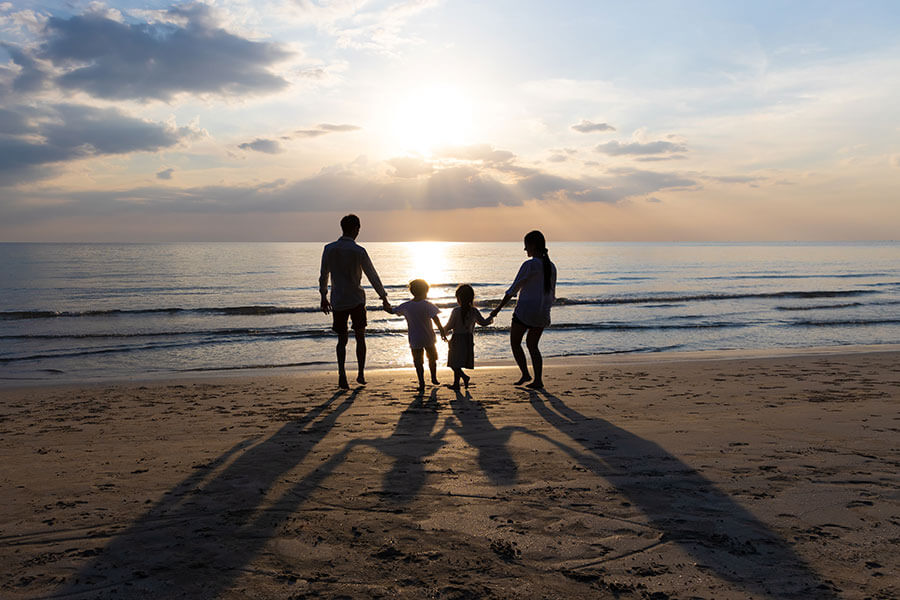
(536, 285)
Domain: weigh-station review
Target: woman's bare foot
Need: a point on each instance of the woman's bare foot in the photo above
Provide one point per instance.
(342, 383)
(435, 382)
(454, 387)
(523, 379)
(465, 379)
(360, 379)
(536, 385)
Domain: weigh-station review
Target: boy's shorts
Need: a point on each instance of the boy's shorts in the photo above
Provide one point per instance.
(357, 314)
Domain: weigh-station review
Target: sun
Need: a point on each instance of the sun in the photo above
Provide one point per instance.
(430, 117)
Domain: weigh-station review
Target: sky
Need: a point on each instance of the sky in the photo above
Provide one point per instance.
(267, 120)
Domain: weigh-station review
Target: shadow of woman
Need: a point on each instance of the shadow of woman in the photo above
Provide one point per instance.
(477, 430)
(198, 538)
(688, 509)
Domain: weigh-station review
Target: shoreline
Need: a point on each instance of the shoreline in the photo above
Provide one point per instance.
(240, 373)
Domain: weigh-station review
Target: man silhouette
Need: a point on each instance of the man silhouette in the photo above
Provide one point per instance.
(345, 261)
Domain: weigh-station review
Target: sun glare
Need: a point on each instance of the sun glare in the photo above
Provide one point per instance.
(430, 117)
(428, 261)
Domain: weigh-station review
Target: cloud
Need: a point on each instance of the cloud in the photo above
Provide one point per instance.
(588, 127)
(37, 139)
(32, 76)
(262, 145)
(476, 152)
(192, 54)
(323, 129)
(165, 174)
(558, 158)
(407, 167)
(615, 148)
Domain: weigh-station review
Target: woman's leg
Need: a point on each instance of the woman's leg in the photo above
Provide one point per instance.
(537, 361)
(516, 333)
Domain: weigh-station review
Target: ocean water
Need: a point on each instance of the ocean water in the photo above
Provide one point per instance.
(76, 312)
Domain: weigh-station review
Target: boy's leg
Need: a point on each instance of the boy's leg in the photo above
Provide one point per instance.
(431, 351)
(417, 354)
(516, 333)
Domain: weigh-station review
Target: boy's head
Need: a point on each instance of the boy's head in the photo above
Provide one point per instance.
(418, 288)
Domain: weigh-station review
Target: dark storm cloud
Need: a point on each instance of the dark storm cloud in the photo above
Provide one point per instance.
(588, 127)
(66, 132)
(615, 148)
(31, 77)
(114, 60)
(262, 145)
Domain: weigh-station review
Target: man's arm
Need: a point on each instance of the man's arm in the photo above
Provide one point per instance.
(323, 284)
(372, 275)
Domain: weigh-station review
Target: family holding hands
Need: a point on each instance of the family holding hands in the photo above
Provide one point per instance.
(344, 261)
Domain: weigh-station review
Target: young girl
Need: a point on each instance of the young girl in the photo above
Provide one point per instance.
(462, 345)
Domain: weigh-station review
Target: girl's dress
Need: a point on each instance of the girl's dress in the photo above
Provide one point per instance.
(461, 354)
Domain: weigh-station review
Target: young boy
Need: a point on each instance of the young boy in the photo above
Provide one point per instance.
(419, 314)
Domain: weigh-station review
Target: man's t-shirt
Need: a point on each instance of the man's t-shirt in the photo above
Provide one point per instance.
(346, 261)
(418, 315)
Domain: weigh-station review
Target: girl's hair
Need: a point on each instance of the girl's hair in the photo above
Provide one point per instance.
(465, 295)
(418, 288)
(536, 240)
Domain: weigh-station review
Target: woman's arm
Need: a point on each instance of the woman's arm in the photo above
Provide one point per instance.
(503, 302)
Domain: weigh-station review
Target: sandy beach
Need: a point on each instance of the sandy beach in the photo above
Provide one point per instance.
(657, 477)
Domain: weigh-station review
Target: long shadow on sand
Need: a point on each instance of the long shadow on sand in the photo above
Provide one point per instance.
(409, 445)
(688, 509)
(198, 538)
(477, 430)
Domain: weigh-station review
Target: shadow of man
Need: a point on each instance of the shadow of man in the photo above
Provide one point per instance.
(476, 429)
(688, 509)
(198, 538)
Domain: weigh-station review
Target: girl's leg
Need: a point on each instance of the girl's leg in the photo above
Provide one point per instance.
(417, 354)
(537, 361)
(457, 374)
(432, 363)
(516, 332)
(465, 378)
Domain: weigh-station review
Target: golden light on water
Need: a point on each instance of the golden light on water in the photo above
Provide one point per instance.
(428, 261)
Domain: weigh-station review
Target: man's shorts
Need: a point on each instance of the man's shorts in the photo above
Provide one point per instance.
(357, 314)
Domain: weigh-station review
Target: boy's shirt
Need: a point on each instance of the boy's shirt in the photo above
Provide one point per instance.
(418, 315)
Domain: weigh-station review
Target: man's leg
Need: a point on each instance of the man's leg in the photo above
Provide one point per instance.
(361, 355)
(342, 359)
(516, 333)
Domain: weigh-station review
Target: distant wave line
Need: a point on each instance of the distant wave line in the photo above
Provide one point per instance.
(262, 310)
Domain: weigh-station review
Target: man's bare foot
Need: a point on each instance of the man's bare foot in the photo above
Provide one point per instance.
(523, 379)
(342, 383)
(360, 379)
(536, 385)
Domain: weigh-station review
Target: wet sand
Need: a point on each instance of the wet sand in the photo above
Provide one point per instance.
(657, 477)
